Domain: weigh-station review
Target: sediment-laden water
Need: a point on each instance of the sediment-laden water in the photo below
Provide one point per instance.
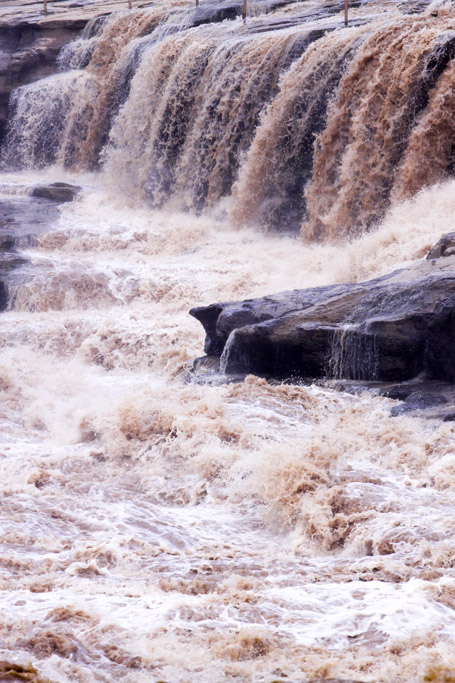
(159, 528)
(311, 126)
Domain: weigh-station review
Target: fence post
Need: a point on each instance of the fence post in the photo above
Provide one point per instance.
(244, 8)
(130, 4)
(346, 7)
(197, 3)
(45, 6)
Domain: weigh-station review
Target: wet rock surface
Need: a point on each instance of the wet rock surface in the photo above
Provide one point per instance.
(56, 192)
(433, 399)
(394, 335)
(444, 247)
(21, 220)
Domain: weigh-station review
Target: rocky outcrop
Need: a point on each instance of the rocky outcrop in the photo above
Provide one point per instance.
(391, 329)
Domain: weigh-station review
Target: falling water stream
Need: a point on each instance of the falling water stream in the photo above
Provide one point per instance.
(157, 528)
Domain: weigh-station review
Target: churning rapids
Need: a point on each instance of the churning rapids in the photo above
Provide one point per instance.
(157, 528)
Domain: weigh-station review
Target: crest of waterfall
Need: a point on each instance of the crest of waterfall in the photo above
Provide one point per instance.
(78, 53)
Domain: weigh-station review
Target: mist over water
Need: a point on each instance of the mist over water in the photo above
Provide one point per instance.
(156, 528)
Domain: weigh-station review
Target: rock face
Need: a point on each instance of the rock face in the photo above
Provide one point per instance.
(444, 247)
(390, 329)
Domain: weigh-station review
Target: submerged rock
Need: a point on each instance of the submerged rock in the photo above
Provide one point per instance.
(56, 192)
(390, 329)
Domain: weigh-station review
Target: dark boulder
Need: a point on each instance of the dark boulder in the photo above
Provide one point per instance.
(3, 296)
(21, 220)
(444, 247)
(419, 401)
(56, 192)
(390, 329)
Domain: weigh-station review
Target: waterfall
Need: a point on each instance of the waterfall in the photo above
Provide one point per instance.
(279, 162)
(385, 90)
(163, 525)
(301, 123)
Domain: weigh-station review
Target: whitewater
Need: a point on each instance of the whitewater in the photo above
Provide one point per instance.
(226, 532)
(162, 526)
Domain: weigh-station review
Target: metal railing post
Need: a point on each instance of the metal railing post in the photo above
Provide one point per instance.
(244, 9)
(346, 9)
(45, 6)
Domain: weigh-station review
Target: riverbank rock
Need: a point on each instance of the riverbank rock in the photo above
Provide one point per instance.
(391, 329)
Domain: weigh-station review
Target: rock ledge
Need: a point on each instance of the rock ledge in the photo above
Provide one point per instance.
(391, 329)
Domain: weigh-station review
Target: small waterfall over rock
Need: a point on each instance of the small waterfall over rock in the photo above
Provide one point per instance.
(353, 355)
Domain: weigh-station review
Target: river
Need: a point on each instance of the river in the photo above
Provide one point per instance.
(161, 527)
